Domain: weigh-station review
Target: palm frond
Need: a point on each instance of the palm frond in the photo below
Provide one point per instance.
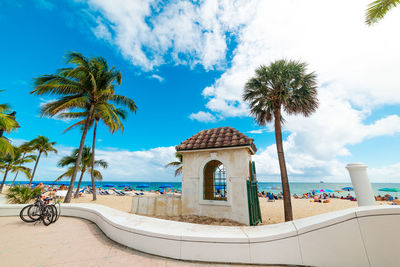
(378, 9)
(5, 147)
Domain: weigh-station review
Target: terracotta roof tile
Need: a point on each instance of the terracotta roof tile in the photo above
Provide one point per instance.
(215, 138)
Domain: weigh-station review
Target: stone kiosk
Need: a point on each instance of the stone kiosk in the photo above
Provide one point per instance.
(215, 174)
(218, 180)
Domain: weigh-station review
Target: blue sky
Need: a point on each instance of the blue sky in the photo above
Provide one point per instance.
(185, 66)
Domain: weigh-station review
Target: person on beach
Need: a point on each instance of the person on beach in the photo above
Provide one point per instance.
(316, 199)
(41, 186)
(396, 201)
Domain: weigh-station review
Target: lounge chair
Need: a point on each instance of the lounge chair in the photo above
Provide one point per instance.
(120, 193)
(271, 198)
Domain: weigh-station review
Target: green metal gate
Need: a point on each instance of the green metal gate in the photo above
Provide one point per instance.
(252, 196)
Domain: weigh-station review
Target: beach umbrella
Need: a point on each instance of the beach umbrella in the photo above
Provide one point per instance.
(124, 185)
(220, 187)
(142, 186)
(108, 185)
(318, 190)
(328, 191)
(389, 189)
(348, 188)
(165, 186)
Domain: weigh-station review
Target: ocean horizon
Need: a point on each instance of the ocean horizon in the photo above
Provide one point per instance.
(274, 187)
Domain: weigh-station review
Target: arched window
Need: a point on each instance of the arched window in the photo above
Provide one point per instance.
(215, 181)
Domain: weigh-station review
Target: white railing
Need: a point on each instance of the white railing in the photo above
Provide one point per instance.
(364, 236)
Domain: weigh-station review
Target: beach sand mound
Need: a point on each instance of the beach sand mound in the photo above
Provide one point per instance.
(201, 220)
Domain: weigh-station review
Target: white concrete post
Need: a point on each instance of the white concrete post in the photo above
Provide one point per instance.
(361, 184)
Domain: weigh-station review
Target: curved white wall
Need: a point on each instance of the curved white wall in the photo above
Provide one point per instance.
(365, 236)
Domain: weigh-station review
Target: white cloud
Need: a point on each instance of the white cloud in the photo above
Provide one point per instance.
(124, 165)
(101, 31)
(150, 32)
(157, 77)
(357, 60)
(203, 117)
(356, 64)
(259, 131)
(385, 174)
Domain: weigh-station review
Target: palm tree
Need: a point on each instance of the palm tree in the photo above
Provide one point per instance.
(42, 145)
(378, 9)
(14, 163)
(111, 117)
(283, 85)
(88, 84)
(176, 164)
(7, 124)
(86, 164)
(25, 148)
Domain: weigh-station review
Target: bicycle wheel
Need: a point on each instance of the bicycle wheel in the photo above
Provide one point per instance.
(55, 212)
(24, 214)
(47, 215)
(34, 212)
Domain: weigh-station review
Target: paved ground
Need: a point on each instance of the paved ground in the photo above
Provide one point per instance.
(69, 242)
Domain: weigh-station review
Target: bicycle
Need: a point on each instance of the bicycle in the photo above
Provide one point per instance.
(41, 210)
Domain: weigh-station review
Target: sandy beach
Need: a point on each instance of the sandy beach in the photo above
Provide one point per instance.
(272, 212)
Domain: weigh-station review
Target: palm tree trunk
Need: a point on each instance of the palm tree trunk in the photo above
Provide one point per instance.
(15, 177)
(78, 160)
(282, 165)
(92, 170)
(79, 183)
(34, 169)
(4, 180)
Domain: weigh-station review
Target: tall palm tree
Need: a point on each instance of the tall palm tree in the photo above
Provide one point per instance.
(86, 164)
(13, 163)
(82, 87)
(283, 85)
(111, 117)
(177, 164)
(7, 124)
(25, 149)
(42, 145)
(378, 9)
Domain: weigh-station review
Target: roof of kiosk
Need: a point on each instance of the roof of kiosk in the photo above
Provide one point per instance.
(217, 138)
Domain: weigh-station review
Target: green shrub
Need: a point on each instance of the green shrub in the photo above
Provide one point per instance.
(21, 194)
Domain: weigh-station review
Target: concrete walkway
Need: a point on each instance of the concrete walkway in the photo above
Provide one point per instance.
(69, 242)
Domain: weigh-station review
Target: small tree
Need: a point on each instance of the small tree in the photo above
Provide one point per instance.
(86, 164)
(42, 145)
(14, 162)
(176, 164)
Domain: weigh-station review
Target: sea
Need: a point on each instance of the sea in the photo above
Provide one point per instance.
(273, 187)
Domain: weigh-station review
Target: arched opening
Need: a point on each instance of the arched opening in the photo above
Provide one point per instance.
(214, 181)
